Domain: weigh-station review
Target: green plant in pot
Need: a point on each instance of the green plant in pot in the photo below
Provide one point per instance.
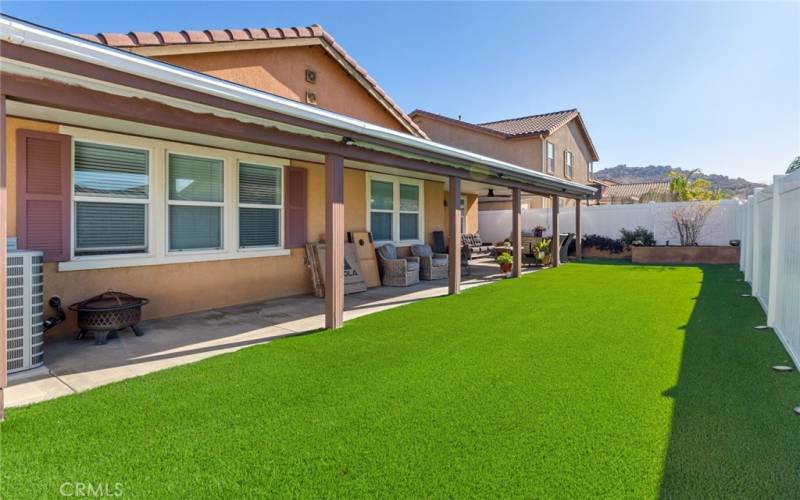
(505, 260)
(542, 251)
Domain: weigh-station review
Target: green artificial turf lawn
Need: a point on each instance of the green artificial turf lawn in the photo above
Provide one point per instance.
(589, 380)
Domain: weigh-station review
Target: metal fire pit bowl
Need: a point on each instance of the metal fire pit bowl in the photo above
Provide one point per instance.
(108, 312)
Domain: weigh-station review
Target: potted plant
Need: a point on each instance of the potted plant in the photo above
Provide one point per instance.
(542, 251)
(505, 260)
(538, 231)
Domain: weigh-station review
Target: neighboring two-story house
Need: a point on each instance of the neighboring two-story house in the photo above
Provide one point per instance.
(555, 143)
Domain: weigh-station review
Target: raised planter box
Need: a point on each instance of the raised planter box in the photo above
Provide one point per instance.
(594, 253)
(685, 255)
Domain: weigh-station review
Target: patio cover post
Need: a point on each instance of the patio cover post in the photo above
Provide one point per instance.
(334, 241)
(516, 232)
(578, 246)
(3, 235)
(554, 242)
(454, 218)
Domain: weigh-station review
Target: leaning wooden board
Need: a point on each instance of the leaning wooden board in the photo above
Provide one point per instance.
(353, 279)
(366, 256)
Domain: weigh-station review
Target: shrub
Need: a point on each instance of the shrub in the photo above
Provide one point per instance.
(603, 243)
(504, 258)
(642, 235)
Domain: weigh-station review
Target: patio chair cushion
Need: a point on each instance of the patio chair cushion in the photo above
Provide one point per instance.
(388, 251)
(412, 264)
(421, 250)
(439, 261)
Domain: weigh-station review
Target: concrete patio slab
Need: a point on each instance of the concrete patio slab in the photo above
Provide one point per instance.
(79, 365)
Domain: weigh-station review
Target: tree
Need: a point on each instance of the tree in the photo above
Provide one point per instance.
(794, 166)
(690, 218)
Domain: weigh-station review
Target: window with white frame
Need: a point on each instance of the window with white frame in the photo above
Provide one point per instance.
(569, 171)
(259, 206)
(551, 157)
(111, 196)
(196, 200)
(395, 209)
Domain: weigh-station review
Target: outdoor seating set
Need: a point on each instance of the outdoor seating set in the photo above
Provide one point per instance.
(423, 263)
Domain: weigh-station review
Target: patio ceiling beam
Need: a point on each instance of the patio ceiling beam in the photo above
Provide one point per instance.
(102, 74)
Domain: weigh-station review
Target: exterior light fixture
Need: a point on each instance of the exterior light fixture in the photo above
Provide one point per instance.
(347, 141)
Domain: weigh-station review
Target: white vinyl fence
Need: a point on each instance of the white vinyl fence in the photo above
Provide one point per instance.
(721, 226)
(770, 258)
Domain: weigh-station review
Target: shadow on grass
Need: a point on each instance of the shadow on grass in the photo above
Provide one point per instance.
(733, 433)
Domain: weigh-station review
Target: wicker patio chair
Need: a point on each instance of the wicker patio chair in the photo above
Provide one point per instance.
(433, 266)
(397, 271)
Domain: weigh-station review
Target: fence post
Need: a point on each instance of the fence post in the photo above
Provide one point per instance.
(774, 261)
(756, 253)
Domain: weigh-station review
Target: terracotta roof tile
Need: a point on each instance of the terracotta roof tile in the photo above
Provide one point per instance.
(635, 191)
(192, 36)
(173, 37)
(145, 38)
(218, 35)
(238, 35)
(533, 124)
(91, 38)
(117, 39)
(256, 33)
(141, 39)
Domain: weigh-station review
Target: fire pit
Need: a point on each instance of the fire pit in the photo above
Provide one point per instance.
(108, 312)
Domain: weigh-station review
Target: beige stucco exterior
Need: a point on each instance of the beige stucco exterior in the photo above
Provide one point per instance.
(528, 152)
(177, 288)
(281, 71)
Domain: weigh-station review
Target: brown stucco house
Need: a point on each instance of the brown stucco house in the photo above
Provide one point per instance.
(192, 167)
(557, 144)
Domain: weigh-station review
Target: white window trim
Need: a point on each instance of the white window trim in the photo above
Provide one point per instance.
(75, 199)
(395, 211)
(157, 231)
(569, 166)
(221, 204)
(280, 207)
(547, 146)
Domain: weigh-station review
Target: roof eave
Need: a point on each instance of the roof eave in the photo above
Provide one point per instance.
(19, 32)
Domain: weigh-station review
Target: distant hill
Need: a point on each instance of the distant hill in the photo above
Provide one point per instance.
(624, 174)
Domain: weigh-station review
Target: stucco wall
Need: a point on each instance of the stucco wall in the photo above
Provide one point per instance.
(185, 287)
(523, 152)
(281, 71)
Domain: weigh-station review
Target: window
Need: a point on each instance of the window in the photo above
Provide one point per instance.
(551, 158)
(111, 196)
(195, 202)
(395, 209)
(569, 171)
(259, 206)
(409, 212)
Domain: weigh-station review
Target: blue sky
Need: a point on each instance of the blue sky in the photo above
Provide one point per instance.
(714, 86)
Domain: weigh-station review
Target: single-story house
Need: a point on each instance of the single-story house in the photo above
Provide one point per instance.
(192, 167)
(556, 144)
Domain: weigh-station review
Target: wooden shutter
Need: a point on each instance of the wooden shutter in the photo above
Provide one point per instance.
(296, 207)
(43, 193)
